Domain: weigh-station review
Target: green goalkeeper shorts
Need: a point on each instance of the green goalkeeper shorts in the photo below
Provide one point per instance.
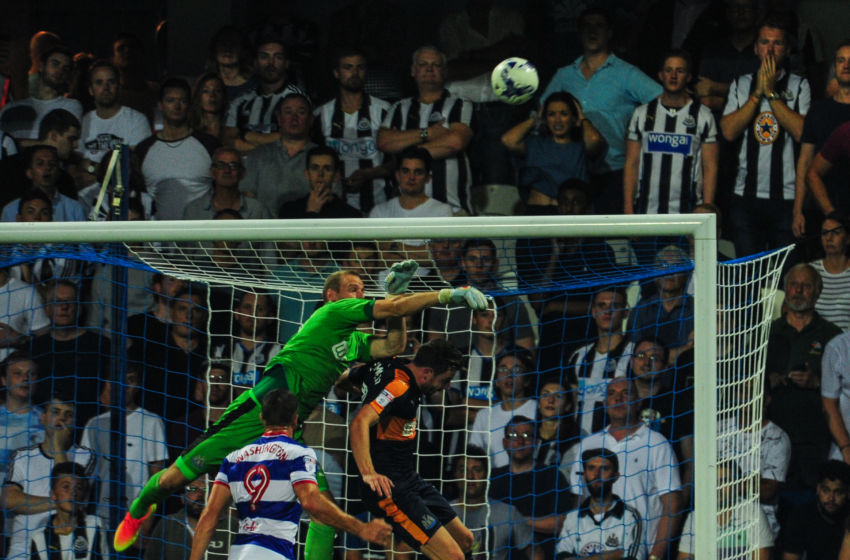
(238, 426)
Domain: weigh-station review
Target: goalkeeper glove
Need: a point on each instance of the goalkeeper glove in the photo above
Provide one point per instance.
(399, 277)
(471, 297)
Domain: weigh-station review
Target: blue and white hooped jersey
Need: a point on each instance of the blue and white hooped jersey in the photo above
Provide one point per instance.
(262, 477)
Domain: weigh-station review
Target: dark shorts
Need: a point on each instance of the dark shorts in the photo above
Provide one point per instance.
(416, 510)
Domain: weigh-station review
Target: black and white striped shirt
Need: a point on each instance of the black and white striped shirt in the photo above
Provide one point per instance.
(86, 542)
(257, 112)
(451, 178)
(355, 139)
(592, 372)
(768, 153)
(670, 178)
(585, 534)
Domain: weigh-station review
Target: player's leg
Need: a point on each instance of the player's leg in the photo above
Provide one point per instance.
(460, 533)
(240, 424)
(442, 546)
(319, 542)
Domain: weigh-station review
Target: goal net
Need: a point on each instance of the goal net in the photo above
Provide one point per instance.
(183, 316)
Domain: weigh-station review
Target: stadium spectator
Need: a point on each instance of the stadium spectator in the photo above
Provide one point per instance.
(437, 121)
(22, 118)
(254, 338)
(171, 537)
(229, 59)
(539, 493)
(590, 367)
(671, 150)
(59, 129)
(513, 387)
(253, 117)
(174, 358)
(413, 175)
(43, 172)
(216, 390)
(557, 429)
(815, 529)
(275, 171)
(72, 360)
(497, 527)
(176, 160)
(209, 102)
(144, 437)
(833, 303)
(765, 110)
(21, 312)
(135, 91)
(322, 171)
(831, 161)
(730, 520)
(480, 265)
(608, 90)
(445, 254)
(20, 420)
(649, 481)
(774, 459)
(835, 391)
(559, 151)
(349, 123)
(26, 493)
(824, 117)
(108, 125)
(475, 389)
(666, 401)
(152, 322)
(797, 339)
(226, 171)
(40, 43)
(667, 316)
(69, 531)
(602, 514)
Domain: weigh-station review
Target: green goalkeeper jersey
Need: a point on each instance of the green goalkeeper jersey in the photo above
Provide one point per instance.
(326, 345)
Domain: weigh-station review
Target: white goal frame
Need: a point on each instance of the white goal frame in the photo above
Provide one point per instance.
(701, 226)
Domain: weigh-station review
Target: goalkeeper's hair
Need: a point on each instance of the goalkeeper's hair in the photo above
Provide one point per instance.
(334, 281)
(439, 354)
(279, 408)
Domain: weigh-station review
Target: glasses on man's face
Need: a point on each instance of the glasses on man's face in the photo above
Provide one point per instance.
(652, 357)
(506, 369)
(522, 436)
(216, 378)
(194, 489)
(232, 165)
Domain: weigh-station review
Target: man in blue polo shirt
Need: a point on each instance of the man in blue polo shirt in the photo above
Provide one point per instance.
(609, 91)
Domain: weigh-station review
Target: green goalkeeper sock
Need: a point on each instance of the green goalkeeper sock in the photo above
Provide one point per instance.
(319, 544)
(150, 494)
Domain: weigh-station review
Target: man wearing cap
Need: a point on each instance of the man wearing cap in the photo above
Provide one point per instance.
(603, 524)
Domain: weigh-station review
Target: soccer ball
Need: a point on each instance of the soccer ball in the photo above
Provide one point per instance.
(514, 80)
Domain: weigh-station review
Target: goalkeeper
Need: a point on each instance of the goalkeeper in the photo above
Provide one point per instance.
(309, 365)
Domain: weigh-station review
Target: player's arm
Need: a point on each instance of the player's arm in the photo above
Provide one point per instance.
(710, 157)
(446, 145)
(360, 447)
(807, 154)
(16, 500)
(325, 511)
(407, 304)
(393, 342)
(218, 500)
(819, 169)
(630, 175)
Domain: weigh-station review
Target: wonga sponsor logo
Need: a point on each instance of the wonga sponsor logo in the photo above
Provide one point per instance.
(669, 143)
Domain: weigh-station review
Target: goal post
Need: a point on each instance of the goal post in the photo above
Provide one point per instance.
(174, 248)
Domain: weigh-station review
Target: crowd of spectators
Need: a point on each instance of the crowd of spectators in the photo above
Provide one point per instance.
(578, 403)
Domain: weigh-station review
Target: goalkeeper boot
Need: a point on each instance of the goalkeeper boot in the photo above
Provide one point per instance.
(129, 529)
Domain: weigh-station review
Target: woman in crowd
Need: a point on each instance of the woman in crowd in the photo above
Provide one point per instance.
(834, 269)
(557, 429)
(208, 105)
(228, 59)
(559, 152)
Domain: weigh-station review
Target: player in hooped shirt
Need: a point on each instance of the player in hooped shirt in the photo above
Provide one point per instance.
(270, 481)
